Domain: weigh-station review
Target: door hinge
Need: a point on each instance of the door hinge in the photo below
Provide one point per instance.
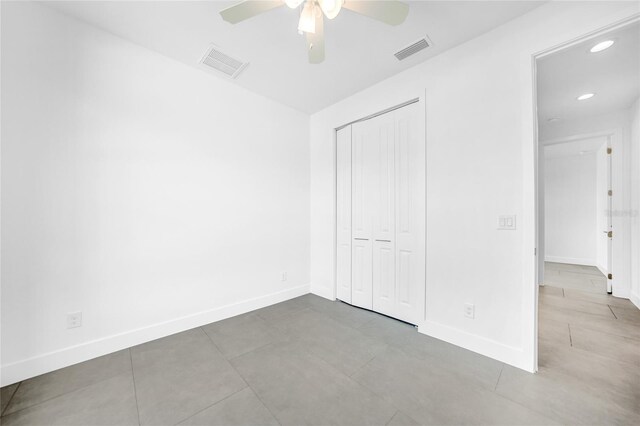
(609, 150)
(610, 276)
(610, 234)
(610, 192)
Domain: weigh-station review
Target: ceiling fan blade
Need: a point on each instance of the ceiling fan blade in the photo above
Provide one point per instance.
(248, 9)
(315, 42)
(390, 12)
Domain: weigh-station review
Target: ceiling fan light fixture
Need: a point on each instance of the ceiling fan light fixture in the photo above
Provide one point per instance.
(293, 3)
(331, 8)
(307, 21)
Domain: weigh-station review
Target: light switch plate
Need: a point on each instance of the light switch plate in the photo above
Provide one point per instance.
(507, 222)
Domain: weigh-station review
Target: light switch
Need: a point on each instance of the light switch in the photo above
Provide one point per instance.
(507, 222)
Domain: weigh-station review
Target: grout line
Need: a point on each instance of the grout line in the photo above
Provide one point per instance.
(11, 399)
(209, 406)
(241, 377)
(135, 391)
(570, 338)
(563, 292)
(392, 417)
(614, 314)
(499, 376)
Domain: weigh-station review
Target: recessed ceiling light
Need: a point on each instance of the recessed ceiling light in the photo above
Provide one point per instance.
(602, 46)
(586, 96)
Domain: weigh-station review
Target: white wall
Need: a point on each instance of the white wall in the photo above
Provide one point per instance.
(571, 204)
(635, 202)
(151, 196)
(617, 124)
(480, 164)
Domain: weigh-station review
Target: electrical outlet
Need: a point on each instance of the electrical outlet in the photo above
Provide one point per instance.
(469, 310)
(507, 223)
(74, 320)
(284, 276)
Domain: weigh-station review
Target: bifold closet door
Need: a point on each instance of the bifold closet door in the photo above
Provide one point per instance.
(381, 138)
(410, 202)
(343, 219)
(361, 218)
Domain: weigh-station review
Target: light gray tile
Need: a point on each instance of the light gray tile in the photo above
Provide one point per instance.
(469, 365)
(344, 313)
(41, 388)
(109, 402)
(287, 307)
(615, 381)
(401, 419)
(343, 347)
(432, 395)
(244, 333)
(553, 333)
(180, 375)
(242, 408)
(568, 304)
(389, 330)
(6, 393)
(562, 398)
(603, 299)
(590, 321)
(302, 389)
(630, 314)
(552, 291)
(615, 347)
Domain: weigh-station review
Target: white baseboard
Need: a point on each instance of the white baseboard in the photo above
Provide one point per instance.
(570, 260)
(635, 299)
(602, 269)
(487, 347)
(325, 292)
(40, 364)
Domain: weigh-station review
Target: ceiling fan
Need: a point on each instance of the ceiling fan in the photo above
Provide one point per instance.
(390, 12)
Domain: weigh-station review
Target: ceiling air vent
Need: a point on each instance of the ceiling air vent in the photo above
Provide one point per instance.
(419, 45)
(222, 62)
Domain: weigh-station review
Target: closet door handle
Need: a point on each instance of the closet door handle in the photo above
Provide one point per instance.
(361, 239)
(384, 241)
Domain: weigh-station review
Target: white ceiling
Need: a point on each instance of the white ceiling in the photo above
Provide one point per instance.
(612, 74)
(359, 50)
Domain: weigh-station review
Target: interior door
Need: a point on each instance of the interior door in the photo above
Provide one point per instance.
(410, 201)
(609, 219)
(361, 220)
(382, 141)
(343, 219)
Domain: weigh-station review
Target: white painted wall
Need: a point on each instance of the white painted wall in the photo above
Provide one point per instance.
(480, 164)
(571, 221)
(151, 196)
(635, 202)
(618, 125)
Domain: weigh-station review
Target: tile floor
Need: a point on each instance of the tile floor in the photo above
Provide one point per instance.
(312, 361)
(577, 277)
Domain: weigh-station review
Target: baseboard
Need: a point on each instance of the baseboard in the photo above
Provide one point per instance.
(635, 299)
(325, 292)
(487, 347)
(602, 269)
(31, 367)
(570, 260)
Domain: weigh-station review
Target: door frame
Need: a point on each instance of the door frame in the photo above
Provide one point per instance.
(402, 100)
(536, 152)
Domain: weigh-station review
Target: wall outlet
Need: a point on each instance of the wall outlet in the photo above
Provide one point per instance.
(74, 320)
(284, 276)
(469, 310)
(507, 223)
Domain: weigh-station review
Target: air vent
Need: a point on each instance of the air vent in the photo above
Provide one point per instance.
(413, 48)
(222, 62)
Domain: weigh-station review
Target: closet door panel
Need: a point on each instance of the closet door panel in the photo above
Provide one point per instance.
(343, 210)
(383, 177)
(410, 214)
(384, 277)
(361, 257)
(361, 181)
